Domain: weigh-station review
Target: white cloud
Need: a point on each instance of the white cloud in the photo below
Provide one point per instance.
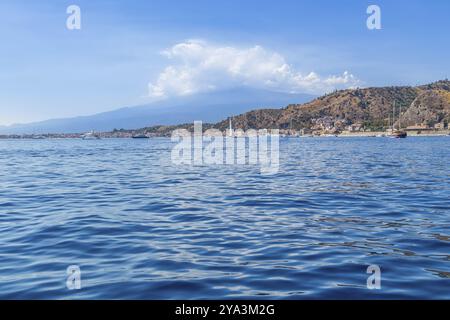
(198, 66)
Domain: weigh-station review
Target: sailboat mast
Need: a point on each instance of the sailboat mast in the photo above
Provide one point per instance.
(393, 117)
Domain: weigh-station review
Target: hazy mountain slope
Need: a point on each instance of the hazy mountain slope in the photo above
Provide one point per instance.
(208, 107)
(372, 107)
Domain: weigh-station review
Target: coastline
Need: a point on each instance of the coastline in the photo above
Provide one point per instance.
(441, 133)
(111, 135)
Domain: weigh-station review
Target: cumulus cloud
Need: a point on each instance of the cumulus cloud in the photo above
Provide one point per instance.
(198, 66)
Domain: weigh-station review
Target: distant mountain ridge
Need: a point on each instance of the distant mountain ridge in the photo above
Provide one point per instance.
(372, 108)
(208, 107)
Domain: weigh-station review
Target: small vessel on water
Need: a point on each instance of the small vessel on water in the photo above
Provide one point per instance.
(397, 133)
(231, 133)
(90, 136)
(140, 136)
(329, 135)
(230, 129)
(37, 137)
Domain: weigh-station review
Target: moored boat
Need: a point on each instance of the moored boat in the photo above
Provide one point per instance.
(90, 136)
(397, 133)
(139, 136)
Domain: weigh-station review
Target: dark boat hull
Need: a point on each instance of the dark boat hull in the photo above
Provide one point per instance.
(399, 135)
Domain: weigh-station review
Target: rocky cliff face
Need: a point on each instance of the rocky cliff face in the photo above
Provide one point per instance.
(430, 107)
(370, 107)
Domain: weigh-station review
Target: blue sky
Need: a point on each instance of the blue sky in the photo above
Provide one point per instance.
(133, 52)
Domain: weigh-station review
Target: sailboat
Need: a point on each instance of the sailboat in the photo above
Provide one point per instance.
(140, 136)
(230, 129)
(397, 133)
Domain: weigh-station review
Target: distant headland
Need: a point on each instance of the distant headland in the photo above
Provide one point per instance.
(421, 110)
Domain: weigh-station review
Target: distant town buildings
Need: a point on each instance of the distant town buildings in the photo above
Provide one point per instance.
(418, 127)
(426, 127)
(356, 127)
(320, 126)
(439, 126)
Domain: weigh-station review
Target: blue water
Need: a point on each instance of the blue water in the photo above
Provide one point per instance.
(139, 227)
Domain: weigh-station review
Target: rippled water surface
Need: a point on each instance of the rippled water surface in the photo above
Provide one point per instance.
(142, 228)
